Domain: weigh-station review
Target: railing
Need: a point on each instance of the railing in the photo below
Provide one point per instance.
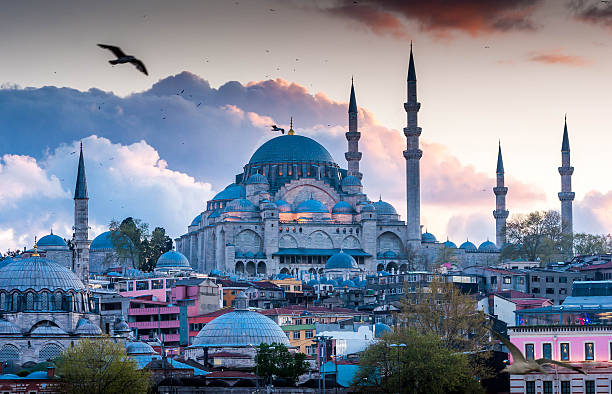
(154, 311)
(167, 337)
(154, 324)
(582, 328)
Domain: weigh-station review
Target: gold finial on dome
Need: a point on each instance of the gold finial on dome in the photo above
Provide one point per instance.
(291, 132)
(35, 254)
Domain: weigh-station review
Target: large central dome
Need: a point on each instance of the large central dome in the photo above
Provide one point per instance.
(291, 148)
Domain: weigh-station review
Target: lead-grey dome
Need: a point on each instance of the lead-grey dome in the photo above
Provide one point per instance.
(37, 273)
(139, 348)
(341, 260)
(291, 148)
(172, 259)
(240, 205)
(86, 327)
(384, 208)
(257, 179)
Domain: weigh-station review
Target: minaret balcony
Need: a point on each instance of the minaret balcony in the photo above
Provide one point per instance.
(412, 131)
(566, 170)
(566, 196)
(413, 154)
(501, 214)
(412, 107)
(500, 190)
(352, 156)
(353, 135)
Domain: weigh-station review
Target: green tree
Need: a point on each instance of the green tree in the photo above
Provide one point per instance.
(589, 244)
(96, 366)
(127, 238)
(153, 248)
(275, 361)
(423, 365)
(536, 236)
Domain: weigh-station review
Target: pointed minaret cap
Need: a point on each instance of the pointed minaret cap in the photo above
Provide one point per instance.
(80, 191)
(411, 71)
(500, 161)
(352, 102)
(565, 144)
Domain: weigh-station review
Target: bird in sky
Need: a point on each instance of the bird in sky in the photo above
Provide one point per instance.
(276, 128)
(522, 366)
(123, 58)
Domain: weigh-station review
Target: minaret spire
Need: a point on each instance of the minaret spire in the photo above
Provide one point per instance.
(80, 191)
(566, 196)
(352, 136)
(80, 238)
(413, 155)
(500, 213)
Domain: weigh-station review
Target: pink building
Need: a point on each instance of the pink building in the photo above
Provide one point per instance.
(159, 288)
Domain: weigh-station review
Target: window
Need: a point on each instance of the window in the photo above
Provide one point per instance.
(157, 284)
(550, 290)
(535, 290)
(521, 280)
(550, 279)
(589, 351)
(530, 387)
(565, 350)
(562, 291)
(308, 334)
(589, 387)
(296, 335)
(547, 386)
(494, 280)
(507, 280)
(563, 279)
(547, 350)
(566, 387)
(535, 279)
(529, 351)
(142, 285)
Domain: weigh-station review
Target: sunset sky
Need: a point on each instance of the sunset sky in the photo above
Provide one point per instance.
(487, 71)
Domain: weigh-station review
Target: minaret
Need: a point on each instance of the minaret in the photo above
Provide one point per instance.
(353, 155)
(566, 195)
(412, 154)
(80, 239)
(500, 213)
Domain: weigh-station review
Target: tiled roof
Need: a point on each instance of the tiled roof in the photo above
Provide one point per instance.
(230, 374)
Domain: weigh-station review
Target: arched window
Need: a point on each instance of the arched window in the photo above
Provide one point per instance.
(58, 301)
(44, 301)
(9, 352)
(261, 267)
(29, 301)
(50, 351)
(3, 305)
(15, 305)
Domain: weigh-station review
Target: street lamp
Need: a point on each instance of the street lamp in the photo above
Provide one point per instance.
(398, 346)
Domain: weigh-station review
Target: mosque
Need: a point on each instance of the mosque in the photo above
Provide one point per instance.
(292, 207)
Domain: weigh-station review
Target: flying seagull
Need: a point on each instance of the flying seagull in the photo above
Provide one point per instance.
(522, 366)
(276, 128)
(123, 58)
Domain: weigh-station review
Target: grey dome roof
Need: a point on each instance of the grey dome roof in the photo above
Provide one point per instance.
(311, 206)
(384, 208)
(37, 273)
(467, 245)
(49, 329)
(342, 207)
(428, 238)
(487, 246)
(240, 205)
(139, 348)
(351, 181)
(240, 328)
(231, 192)
(450, 245)
(86, 327)
(51, 240)
(172, 259)
(341, 260)
(368, 208)
(291, 148)
(6, 327)
(102, 241)
(257, 179)
(283, 206)
(196, 221)
(121, 325)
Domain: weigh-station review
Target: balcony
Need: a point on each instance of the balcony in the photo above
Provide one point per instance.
(561, 329)
(154, 324)
(167, 337)
(165, 310)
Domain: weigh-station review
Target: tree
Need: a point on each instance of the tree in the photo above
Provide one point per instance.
(590, 244)
(153, 248)
(536, 236)
(424, 365)
(275, 361)
(100, 366)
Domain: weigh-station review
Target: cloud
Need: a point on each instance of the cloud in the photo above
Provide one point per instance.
(476, 226)
(593, 213)
(439, 17)
(595, 12)
(557, 56)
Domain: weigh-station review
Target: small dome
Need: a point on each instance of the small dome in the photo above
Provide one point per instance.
(368, 208)
(341, 260)
(86, 327)
(102, 241)
(257, 179)
(283, 206)
(172, 259)
(240, 205)
(37, 375)
(450, 245)
(428, 238)
(487, 246)
(6, 327)
(467, 245)
(311, 206)
(348, 283)
(51, 240)
(380, 329)
(196, 221)
(343, 207)
(384, 208)
(291, 148)
(231, 192)
(351, 181)
(389, 254)
(139, 349)
(37, 273)
(121, 326)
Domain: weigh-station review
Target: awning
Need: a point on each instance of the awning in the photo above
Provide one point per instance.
(319, 252)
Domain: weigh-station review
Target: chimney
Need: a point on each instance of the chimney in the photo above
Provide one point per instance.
(50, 372)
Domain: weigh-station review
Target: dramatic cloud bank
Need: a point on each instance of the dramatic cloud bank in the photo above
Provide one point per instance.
(595, 12)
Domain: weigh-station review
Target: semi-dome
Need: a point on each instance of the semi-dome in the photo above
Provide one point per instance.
(47, 330)
(350, 181)
(384, 208)
(341, 260)
(240, 328)
(257, 179)
(240, 205)
(428, 238)
(467, 245)
(37, 273)
(86, 327)
(342, 207)
(172, 259)
(51, 240)
(450, 245)
(487, 246)
(215, 214)
(6, 327)
(283, 206)
(380, 329)
(139, 349)
(196, 221)
(311, 206)
(389, 254)
(231, 192)
(368, 208)
(291, 148)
